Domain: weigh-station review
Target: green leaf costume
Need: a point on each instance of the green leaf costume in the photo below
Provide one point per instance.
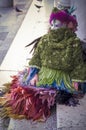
(59, 57)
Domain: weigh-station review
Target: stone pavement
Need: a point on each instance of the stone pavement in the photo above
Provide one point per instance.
(72, 118)
(10, 21)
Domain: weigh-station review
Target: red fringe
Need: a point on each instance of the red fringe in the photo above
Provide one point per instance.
(34, 103)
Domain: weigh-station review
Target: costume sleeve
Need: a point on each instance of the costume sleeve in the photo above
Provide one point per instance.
(77, 52)
(79, 70)
(73, 53)
(36, 58)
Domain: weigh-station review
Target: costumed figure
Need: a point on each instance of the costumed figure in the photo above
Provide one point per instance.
(56, 67)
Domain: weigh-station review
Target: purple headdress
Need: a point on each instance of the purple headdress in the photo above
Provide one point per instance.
(63, 17)
(60, 15)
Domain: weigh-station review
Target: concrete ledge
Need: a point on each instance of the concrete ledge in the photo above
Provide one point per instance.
(5, 77)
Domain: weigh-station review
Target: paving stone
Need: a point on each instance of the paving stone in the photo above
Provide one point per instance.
(10, 22)
(3, 28)
(72, 116)
(1, 128)
(65, 128)
(72, 128)
(78, 128)
(3, 35)
(20, 6)
(2, 54)
(1, 125)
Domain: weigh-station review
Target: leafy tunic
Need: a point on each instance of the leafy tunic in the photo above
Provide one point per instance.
(59, 57)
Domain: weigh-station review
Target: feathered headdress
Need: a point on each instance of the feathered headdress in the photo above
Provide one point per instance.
(63, 16)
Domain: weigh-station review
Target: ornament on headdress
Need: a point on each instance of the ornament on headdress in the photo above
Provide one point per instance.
(63, 4)
(71, 10)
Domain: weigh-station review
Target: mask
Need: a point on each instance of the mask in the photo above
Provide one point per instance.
(55, 24)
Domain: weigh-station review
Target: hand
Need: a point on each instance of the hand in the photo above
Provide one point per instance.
(76, 85)
(34, 80)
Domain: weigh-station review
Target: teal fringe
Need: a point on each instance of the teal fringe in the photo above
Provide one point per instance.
(48, 76)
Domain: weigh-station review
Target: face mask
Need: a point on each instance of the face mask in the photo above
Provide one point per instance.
(55, 24)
